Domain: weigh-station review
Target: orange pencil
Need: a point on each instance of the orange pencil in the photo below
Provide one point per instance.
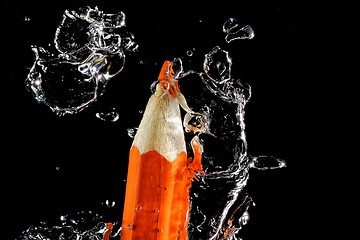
(159, 176)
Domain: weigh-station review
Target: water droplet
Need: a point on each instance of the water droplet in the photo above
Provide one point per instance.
(267, 162)
(153, 86)
(109, 116)
(233, 30)
(131, 132)
(244, 219)
(195, 122)
(110, 203)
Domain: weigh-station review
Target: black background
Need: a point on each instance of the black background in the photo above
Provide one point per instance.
(295, 66)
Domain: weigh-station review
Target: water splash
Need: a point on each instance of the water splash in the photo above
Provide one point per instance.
(233, 31)
(90, 49)
(218, 99)
(84, 225)
(221, 99)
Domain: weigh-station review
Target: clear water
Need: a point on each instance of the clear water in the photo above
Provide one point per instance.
(91, 47)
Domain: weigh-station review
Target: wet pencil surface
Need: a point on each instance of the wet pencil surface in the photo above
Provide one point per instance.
(160, 172)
